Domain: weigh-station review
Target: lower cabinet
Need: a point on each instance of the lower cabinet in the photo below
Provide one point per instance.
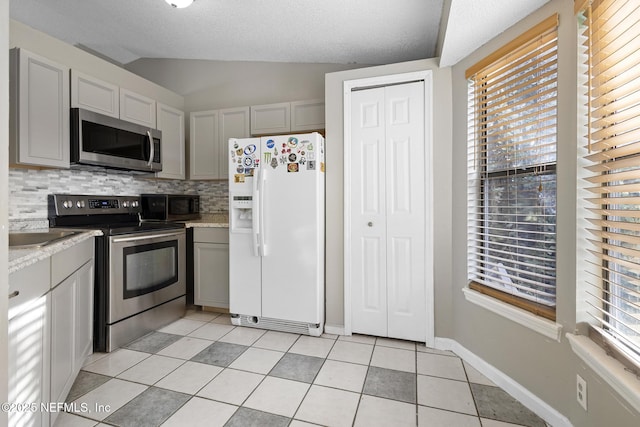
(50, 331)
(28, 348)
(211, 267)
(71, 331)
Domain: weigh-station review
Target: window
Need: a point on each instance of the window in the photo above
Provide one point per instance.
(611, 36)
(512, 171)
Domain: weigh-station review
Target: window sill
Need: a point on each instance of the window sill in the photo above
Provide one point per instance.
(610, 370)
(536, 323)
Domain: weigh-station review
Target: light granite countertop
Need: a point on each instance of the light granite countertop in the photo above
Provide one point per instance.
(21, 258)
(214, 220)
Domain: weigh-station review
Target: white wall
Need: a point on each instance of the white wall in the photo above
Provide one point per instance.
(208, 85)
(44, 45)
(4, 197)
(442, 182)
(543, 366)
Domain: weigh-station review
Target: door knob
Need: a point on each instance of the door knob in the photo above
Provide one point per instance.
(370, 224)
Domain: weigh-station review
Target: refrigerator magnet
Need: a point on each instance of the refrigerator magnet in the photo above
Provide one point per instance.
(250, 149)
(240, 169)
(274, 163)
(311, 165)
(248, 161)
(292, 142)
(238, 178)
(270, 143)
(248, 171)
(292, 157)
(267, 157)
(302, 160)
(322, 167)
(239, 151)
(292, 167)
(311, 155)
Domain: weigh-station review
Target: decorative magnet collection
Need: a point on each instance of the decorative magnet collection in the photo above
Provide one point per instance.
(292, 154)
(245, 160)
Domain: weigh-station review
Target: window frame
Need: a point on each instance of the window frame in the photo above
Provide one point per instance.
(479, 139)
(603, 256)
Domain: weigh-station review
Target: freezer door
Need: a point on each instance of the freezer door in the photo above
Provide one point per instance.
(245, 291)
(291, 188)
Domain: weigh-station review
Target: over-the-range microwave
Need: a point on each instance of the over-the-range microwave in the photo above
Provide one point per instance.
(101, 140)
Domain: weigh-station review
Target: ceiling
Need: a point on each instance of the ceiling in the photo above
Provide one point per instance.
(308, 31)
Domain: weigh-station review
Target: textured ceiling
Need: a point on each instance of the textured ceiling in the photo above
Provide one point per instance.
(473, 23)
(305, 31)
(312, 31)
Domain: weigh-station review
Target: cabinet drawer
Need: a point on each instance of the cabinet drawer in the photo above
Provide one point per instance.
(64, 263)
(211, 235)
(30, 283)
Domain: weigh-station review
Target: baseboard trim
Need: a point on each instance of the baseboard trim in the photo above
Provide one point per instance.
(334, 329)
(528, 399)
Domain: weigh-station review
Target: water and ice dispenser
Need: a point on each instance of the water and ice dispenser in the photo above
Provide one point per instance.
(241, 215)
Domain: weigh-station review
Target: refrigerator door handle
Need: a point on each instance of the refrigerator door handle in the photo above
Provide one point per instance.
(263, 238)
(255, 223)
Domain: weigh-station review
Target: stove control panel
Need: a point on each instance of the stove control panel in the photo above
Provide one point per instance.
(73, 204)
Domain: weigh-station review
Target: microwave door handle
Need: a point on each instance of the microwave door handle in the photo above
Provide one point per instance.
(151, 149)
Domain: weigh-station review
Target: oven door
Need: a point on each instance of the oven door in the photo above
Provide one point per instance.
(146, 270)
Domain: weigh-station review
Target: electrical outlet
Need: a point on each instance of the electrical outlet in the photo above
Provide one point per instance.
(581, 391)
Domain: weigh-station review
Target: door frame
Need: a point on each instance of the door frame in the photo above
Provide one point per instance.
(371, 82)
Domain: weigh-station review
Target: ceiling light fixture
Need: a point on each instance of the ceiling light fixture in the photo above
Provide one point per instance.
(179, 3)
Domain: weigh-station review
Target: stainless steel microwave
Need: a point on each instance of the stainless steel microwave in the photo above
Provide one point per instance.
(101, 140)
(170, 207)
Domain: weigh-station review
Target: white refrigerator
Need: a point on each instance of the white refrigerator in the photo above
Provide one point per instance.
(276, 233)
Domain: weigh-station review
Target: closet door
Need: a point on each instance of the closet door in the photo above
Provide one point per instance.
(388, 212)
(368, 213)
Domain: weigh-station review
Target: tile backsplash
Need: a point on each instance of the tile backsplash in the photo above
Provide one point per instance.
(28, 188)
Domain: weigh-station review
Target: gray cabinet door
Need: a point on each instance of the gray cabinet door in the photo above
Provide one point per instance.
(211, 274)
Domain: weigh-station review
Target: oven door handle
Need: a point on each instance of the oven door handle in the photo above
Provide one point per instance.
(146, 237)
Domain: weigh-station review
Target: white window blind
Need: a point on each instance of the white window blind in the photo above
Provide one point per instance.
(611, 35)
(512, 171)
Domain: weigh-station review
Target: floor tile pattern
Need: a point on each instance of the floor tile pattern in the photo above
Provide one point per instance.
(203, 371)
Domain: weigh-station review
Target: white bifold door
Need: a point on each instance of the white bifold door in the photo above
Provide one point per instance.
(387, 216)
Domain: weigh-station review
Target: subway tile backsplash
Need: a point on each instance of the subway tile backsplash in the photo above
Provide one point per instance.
(28, 188)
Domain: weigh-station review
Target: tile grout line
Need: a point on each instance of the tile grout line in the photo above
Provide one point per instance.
(286, 351)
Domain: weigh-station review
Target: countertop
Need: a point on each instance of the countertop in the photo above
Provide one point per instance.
(21, 258)
(214, 220)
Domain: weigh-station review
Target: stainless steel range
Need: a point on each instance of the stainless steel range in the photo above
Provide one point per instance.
(140, 280)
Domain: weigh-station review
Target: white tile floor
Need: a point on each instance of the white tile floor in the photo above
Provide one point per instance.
(201, 370)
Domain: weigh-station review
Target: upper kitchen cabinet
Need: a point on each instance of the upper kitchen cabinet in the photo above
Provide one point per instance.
(39, 111)
(94, 94)
(271, 119)
(171, 124)
(209, 135)
(137, 108)
(233, 123)
(203, 145)
(307, 115)
(287, 117)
